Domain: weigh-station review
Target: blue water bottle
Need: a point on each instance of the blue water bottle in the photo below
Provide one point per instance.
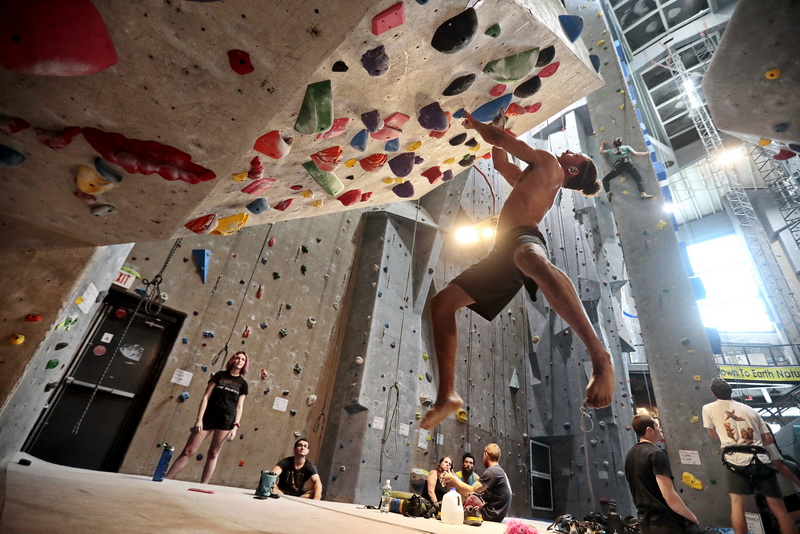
(163, 462)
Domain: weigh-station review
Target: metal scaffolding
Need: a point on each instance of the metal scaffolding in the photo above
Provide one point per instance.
(783, 301)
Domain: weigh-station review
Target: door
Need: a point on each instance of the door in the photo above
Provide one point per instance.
(541, 477)
(98, 405)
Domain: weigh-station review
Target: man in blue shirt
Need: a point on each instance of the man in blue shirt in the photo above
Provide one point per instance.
(621, 164)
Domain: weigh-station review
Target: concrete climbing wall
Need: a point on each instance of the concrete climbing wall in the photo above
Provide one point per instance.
(678, 353)
(203, 83)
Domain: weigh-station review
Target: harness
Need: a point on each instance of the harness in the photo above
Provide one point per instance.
(756, 468)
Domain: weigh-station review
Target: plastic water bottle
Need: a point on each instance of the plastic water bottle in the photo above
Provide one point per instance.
(452, 508)
(386, 496)
(163, 462)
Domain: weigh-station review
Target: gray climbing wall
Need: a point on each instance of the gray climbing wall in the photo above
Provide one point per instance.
(678, 353)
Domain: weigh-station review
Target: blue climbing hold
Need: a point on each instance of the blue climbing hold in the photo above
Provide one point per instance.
(492, 109)
(572, 25)
(202, 257)
(459, 114)
(259, 205)
(360, 140)
(392, 145)
(595, 59)
(105, 170)
(10, 157)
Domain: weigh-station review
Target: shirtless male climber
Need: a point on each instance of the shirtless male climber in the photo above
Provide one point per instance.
(519, 258)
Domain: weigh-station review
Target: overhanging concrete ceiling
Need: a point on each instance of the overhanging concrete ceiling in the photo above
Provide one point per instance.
(173, 84)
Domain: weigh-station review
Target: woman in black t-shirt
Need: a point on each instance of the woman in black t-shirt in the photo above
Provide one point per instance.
(219, 414)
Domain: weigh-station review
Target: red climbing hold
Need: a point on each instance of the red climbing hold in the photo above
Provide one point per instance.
(514, 110)
(328, 159)
(57, 140)
(373, 163)
(549, 70)
(498, 89)
(55, 38)
(784, 155)
(297, 188)
(338, 128)
(33, 317)
(533, 108)
(260, 292)
(271, 242)
(389, 18)
(434, 174)
(203, 225)
(283, 204)
(240, 62)
(12, 125)
(366, 196)
(256, 171)
(273, 145)
(258, 186)
(147, 157)
(350, 197)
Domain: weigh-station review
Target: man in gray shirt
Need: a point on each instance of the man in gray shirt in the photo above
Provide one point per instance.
(493, 486)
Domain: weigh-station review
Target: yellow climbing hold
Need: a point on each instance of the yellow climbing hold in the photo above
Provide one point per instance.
(622, 106)
(239, 176)
(626, 192)
(417, 415)
(601, 42)
(448, 161)
(351, 162)
(660, 225)
(602, 128)
(92, 183)
(535, 339)
(773, 74)
(461, 415)
(603, 32)
(413, 146)
(229, 225)
(388, 180)
(317, 203)
(690, 480)
(308, 193)
(425, 356)
(475, 148)
(16, 339)
(697, 378)
(398, 180)
(763, 142)
(694, 419)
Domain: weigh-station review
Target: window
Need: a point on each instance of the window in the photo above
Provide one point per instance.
(541, 478)
(733, 301)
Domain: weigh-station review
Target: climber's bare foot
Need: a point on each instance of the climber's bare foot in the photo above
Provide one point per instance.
(600, 391)
(443, 407)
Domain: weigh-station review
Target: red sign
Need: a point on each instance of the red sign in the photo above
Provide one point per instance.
(99, 350)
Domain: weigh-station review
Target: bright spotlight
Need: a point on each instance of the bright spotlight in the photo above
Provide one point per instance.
(729, 156)
(487, 233)
(691, 92)
(467, 235)
(670, 207)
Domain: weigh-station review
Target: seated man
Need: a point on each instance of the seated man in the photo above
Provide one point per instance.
(467, 473)
(492, 486)
(297, 476)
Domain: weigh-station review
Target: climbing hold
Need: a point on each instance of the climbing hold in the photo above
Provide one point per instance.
(239, 176)
(246, 332)
(567, 425)
(259, 186)
(328, 159)
(311, 399)
(438, 134)
(183, 397)
(404, 190)
(338, 128)
(51, 364)
(533, 108)
(12, 125)
(256, 171)
(513, 110)
(764, 142)
(316, 112)
(546, 55)
(773, 74)
(201, 257)
(601, 42)
(690, 480)
(350, 163)
(10, 157)
(359, 141)
(55, 39)
(308, 193)
(794, 147)
(467, 160)
(259, 205)
(401, 165)
(350, 197)
(366, 196)
(492, 109)
(33, 317)
(389, 18)
(329, 182)
(340, 66)
(447, 175)
(432, 117)
(528, 88)
(459, 85)
(685, 341)
(61, 345)
(239, 61)
(283, 333)
(458, 139)
(317, 203)
(498, 89)
(231, 224)
(203, 225)
(513, 384)
(16, 339)
(572, 26)
(92, 183)
(512, 68)
(595, 59)
(456, 33)
(101, 210)
(57, 140)
(493, 31)
(375, 61)
(392, 145)
(274, 145)
(373, 163)
(549, 70)
(784, 154)
(372, 120)
(297, 369)
(105, 170)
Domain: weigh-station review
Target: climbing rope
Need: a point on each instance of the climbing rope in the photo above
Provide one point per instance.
(148, 298)
(587, 416)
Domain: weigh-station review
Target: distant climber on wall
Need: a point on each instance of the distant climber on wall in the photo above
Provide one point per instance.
(519, 258)
(621, 164)
(219, 415)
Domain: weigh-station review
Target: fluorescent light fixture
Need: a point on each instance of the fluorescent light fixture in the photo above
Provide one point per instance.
(691, 92)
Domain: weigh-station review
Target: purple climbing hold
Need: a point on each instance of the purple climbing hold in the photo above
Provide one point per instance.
(467, 160)
(10, 157)
(404, 190)
(340, 66)
(418, 160)
(376, 61)
(471, 142)
(432, 117)
(447, 175)
(546, 55)
(528, 88)
(459, 85)
(456, 33)
(402, 164)
(372, 120)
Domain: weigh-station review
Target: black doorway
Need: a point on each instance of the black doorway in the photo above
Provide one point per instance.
(105, 429)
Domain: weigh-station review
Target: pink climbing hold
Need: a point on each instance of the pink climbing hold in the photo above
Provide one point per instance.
(256, 171)
(392, 127)
(57, 140)
(434, 174)
(549, 70)
(338, 128)
(274, 145)
(350, 197)
(389, 19)
(498, 89)
(283, 204)
(203, 225)
(12, 125)
(328, 159)
(373, 163)
(258, 186)
(396, 120)
(240, 62)
(55, 38)
(533, 108)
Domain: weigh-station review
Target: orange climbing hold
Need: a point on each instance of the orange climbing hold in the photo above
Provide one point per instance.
(328, 159)
(273, 145)
(514, 110)
(389, 18)
(374, 162)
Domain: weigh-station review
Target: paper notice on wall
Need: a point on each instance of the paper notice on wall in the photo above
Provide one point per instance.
(404, 428)
(424, 437)
(107, 337)
(377, 423)
(181, 377)
(689, 457)
(602, 475)
(87, 300)
(754, 523)
(440, 439)
(280, 404)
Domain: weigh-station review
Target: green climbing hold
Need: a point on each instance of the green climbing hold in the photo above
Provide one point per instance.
(51, 364)
(292, 412)
(513, 385)
(425, 356)
(288, 306)
(512, 68)
(283, 332)
(316, 112)
(297, 368)
(276, 275)
(304, 249)
(327, 180)
(493, 31)
(685, 341)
